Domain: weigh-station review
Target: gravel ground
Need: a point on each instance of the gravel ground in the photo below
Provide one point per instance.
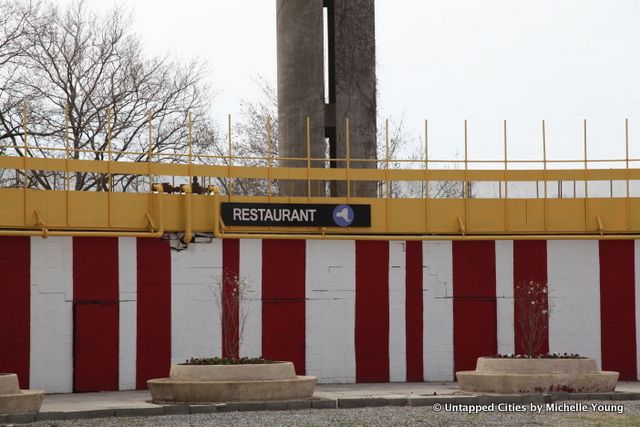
(391, 416)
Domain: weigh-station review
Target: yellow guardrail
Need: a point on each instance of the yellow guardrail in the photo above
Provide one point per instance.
(27, 210)
(62, 212)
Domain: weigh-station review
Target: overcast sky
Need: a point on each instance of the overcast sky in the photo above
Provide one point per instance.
(485, 61)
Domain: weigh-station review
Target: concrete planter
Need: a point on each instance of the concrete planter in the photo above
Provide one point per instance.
(16, 401)
(231, 383)
(501, 375)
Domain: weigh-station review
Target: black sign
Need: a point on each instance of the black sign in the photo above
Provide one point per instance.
(296, 215)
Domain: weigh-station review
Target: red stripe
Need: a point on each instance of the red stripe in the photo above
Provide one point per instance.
(529, 264)
(474, 303)
(283, 301)
(95, 269)
(230, 298)
(372, 311)
(154, 311)
(15, 307)
(414, 311)
(96, 315)
(617, 308)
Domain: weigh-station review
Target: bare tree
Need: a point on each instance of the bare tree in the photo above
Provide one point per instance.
(405, 152)
(252, 131)
(391, 152)
(15, 19)
(13, 31)
(92, 92)
(532, 313)
(255, 140)
(251, 141)
(230, 291)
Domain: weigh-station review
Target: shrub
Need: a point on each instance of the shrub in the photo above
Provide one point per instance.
(227, 361)
(531, 302)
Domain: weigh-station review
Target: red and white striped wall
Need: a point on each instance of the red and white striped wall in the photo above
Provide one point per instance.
(84, 314)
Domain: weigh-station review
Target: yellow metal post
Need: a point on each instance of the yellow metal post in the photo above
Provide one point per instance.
(25, 126)
(465, 189)
(270, 158)
(626, 161)
(149, 153)
(386, 158)
(25, 140)
(66, 162)
(110, 159)
(109, 147)
(386, 175)
(586, 177)
(506, 182)
(544, 165)
(217, 221)
(66, 148)
(308, 157)
(506, 159)
(348, 139)
(230, 158)
(188, 227)
(426, 174)
(426, 158)
(466, 161)
(191, 148)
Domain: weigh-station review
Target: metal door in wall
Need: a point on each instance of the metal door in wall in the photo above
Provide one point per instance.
(95, 346)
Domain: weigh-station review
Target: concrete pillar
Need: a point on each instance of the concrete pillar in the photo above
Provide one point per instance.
(300, 87)
(355, 81)
(351, 83)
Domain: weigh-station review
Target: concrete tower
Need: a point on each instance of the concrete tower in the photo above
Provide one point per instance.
(348, 90)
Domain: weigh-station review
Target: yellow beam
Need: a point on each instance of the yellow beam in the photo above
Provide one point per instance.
(127, 212)
(301, 173)
(401, 237)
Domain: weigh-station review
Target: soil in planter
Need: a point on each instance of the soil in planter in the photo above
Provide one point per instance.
(228, 361)
(541, 356)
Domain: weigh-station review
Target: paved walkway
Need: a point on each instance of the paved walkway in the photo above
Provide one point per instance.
(137, 403)
(141, 399)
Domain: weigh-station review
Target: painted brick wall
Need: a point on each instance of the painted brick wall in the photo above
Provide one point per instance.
(348, 300)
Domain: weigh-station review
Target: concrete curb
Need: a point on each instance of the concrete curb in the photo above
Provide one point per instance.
(339, 403)
(371, 402)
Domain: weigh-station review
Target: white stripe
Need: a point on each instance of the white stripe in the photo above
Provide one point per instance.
(195, 313)
(51, 360)
(251, 302)
(504, 296)
(438, 311)
(397, 310)
(128, 284)
(637, 273)
(574, 291)
(330, 310)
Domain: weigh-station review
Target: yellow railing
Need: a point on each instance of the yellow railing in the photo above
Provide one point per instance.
(67, 160)
(26, 210)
